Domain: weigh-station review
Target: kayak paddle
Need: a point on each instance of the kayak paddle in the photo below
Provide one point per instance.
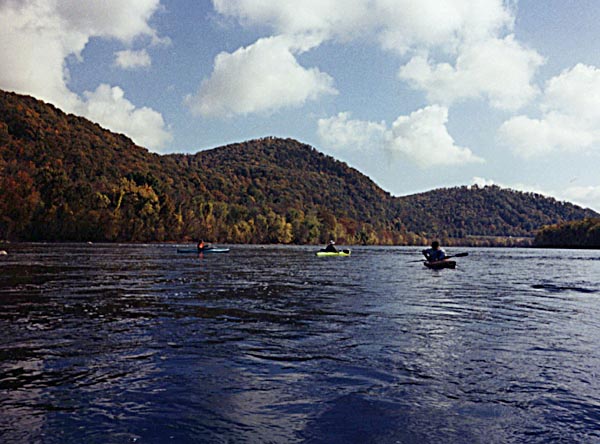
(447, 257)
(457, 255)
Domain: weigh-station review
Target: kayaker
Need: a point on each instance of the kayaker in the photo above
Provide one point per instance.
(331, 247)
(435, 253)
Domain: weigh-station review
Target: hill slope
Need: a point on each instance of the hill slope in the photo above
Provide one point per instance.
(65, 178)
(576, 234)
(284, 173)
(69, 179)
(488, 211)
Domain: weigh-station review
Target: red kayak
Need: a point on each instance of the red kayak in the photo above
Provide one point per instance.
(439, 265)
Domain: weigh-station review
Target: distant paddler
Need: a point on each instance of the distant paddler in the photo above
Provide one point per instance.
(330, 248)
(437, 258)
(435, 253)
(202, 246)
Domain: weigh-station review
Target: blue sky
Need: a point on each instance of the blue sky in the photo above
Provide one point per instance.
(415, 94)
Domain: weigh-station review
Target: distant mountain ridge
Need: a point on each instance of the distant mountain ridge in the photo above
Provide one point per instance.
(65, 178)
(484, 211)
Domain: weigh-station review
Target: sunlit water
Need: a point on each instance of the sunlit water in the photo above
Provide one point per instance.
(137, 343)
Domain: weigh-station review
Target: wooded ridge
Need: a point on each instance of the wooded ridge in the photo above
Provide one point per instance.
(64, 178)
(576, 234)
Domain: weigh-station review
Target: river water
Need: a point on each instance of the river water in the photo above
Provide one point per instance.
(137, 343)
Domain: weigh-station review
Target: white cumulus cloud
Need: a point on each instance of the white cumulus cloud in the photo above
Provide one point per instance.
(499, 69)
(119, 19)
(570, 117)
(397, 25)
(479, 59)
(403, 25)
(128, 59)
(424, 138)
(342, 133)
(260, 78)
(421, 137)
(327, 18)
(108, 105)
(39, 35)
(33, 49)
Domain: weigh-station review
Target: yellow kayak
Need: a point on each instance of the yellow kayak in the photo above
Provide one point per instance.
(333, 253)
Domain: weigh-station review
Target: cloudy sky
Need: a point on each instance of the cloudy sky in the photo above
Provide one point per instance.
(415, 94)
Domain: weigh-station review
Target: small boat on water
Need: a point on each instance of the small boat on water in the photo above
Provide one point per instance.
(203, 250)
(440, 265)
(324, 253)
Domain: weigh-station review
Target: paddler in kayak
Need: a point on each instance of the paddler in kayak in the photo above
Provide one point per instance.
(331, 247)
(435, 253)
(202, 246)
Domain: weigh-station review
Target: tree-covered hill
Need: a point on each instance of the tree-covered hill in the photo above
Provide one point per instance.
(63, 177)
(484, 211)
(66, 178)
(284, 172)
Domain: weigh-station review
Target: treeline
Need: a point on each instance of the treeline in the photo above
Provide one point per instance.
(64, 178)
(578, 234)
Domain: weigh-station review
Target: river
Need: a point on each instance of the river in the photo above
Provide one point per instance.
(109, 343)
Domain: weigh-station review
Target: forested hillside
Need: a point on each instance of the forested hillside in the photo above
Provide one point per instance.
(577, 234)
(63, 178)
(66, 178)
(484, 211)
(294, 187)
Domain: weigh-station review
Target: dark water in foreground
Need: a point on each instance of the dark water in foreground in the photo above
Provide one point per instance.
(122, 343)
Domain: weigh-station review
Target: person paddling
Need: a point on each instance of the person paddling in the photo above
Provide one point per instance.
(435, 253)
(331, 247)
(202, 246)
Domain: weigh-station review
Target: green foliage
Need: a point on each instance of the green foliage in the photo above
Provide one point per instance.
(577, 234)
(65, 178)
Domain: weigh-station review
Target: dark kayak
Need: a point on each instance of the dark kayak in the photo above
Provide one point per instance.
(203, 250)
(439, 265)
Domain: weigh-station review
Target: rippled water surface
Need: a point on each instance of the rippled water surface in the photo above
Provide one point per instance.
(137, 343)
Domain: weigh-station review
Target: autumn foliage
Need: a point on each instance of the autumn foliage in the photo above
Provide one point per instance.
(64, 178)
